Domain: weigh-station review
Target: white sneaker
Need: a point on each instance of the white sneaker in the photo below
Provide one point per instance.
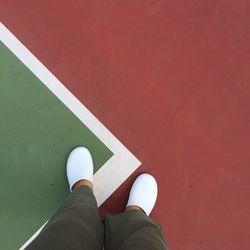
(79, 166)
(143, 193)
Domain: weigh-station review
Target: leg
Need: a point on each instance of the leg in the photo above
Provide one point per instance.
(133, 230)
(76, 225)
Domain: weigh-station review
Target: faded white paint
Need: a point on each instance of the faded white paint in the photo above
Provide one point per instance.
(122, 164)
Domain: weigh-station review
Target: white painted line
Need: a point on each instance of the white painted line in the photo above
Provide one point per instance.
(122, 164)
(33, 237)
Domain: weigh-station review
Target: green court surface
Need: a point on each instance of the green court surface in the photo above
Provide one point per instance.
(37, 132)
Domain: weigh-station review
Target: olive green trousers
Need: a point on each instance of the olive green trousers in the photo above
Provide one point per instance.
(77, 226)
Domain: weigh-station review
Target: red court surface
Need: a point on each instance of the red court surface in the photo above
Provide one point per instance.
(170, 79)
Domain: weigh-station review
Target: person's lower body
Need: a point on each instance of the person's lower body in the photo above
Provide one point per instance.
(76, 224)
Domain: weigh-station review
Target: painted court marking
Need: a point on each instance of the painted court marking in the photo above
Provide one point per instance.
(121, 165)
